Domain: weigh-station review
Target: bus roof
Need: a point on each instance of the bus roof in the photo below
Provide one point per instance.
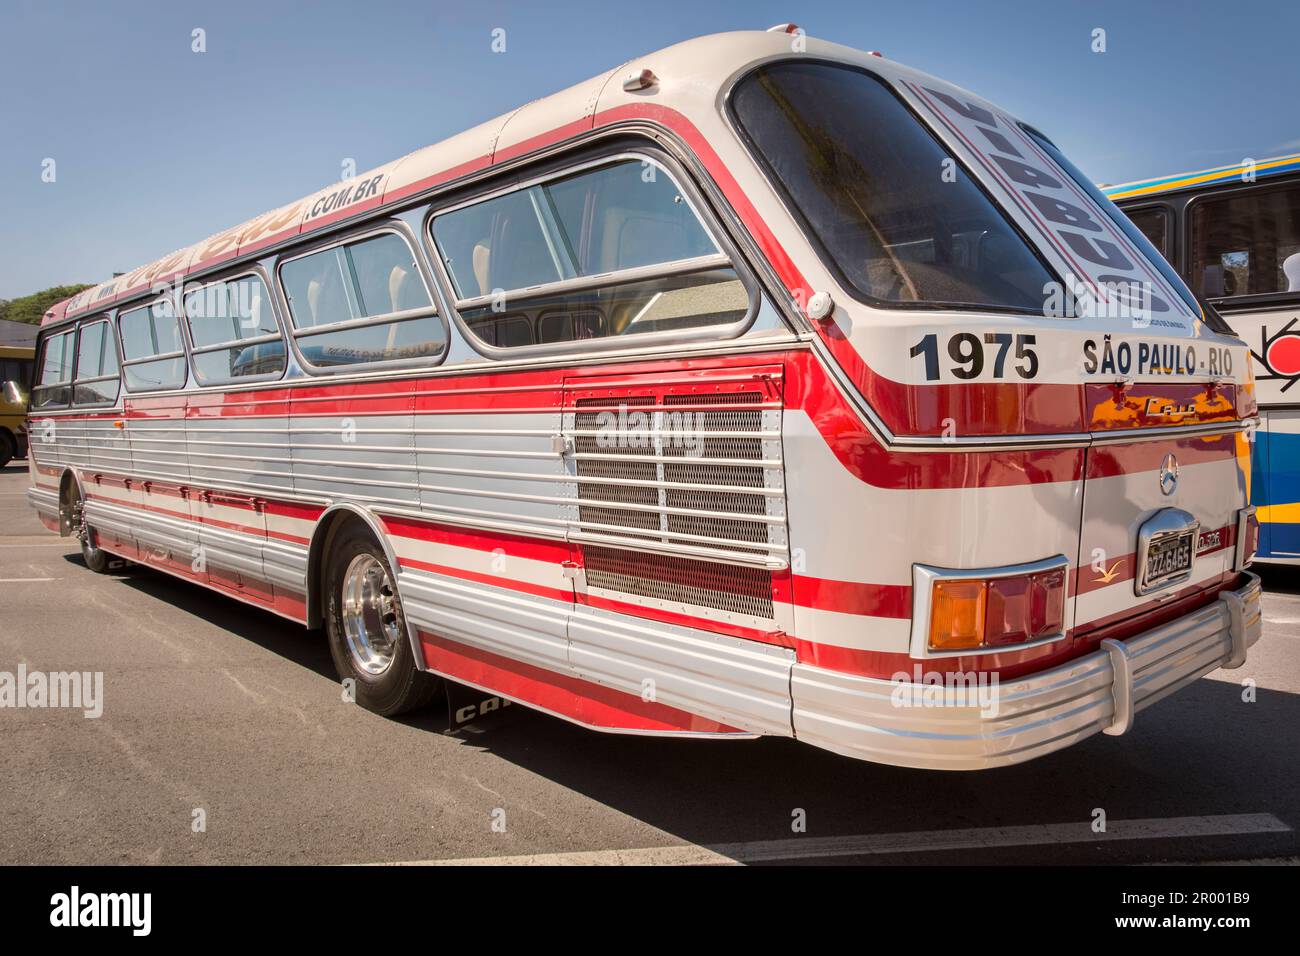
(1205, 177)
(688, 78)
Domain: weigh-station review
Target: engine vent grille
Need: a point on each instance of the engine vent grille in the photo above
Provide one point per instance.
(689, 470)
(734, 589)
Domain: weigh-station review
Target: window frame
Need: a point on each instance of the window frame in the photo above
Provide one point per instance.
(107, 320)
(824, 256)
(1171, 228)
(42, 349)
(161, 357)
(560, 167)
(1234, 302)
(368, 230)
(188, 334)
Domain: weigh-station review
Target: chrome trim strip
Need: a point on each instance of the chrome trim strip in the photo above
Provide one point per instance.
(658, 270)
(1239, 561)
(1121, 688)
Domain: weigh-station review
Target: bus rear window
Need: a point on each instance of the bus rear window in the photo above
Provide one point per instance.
(869, 181)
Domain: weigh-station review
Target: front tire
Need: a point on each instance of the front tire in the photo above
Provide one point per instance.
(96, 558)
(366, 629)
(8, 448)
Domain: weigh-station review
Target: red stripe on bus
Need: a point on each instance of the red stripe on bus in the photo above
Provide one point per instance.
(851, 597)
(517, 546)
(586, 702)
(512, 584)
(806, 385)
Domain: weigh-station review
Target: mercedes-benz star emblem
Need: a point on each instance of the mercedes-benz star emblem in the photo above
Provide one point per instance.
(1169, 474)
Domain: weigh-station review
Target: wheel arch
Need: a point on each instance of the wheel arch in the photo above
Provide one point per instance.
(332, 519)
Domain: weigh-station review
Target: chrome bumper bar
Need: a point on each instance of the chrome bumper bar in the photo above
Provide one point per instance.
(971, 728)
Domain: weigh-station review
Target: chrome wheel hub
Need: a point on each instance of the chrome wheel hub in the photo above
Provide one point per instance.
(370, 613)
(80, 530)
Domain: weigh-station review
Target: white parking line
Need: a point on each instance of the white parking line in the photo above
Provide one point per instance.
(25, 580)
(807, 848)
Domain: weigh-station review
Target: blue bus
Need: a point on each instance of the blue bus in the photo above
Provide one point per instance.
(1234, 235)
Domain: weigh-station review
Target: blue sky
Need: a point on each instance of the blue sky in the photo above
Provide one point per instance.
(157, 147)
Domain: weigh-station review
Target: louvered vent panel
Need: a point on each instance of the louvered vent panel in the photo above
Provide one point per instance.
(681, 484)
(727, 587)
(618, 472)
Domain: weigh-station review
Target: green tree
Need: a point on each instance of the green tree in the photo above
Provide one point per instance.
(31, 308)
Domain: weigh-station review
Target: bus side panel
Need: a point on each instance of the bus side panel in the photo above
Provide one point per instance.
(161, 518)
(1274, 342)
(1277, 450)
(487, 462)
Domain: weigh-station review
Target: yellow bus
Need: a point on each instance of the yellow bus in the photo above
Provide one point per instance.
(16, 363)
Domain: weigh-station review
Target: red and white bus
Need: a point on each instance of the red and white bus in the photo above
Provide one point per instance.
(729, 393)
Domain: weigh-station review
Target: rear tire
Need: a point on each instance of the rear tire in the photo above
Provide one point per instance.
(366, 628)
(97, 559)
(8, 449)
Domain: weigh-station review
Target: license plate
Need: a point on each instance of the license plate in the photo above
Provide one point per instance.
(1168, 557)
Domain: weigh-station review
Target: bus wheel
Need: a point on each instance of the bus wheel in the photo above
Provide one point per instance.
(7, 448)
(97, 559)
(367, 630)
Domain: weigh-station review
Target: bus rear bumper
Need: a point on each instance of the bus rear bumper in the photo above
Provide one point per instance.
(974, 727)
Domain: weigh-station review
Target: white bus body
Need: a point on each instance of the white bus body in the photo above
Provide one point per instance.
(729, 393)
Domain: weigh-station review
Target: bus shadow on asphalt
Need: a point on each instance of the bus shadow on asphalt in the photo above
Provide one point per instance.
(1206, 752)
(1279, 578)
(261, 627)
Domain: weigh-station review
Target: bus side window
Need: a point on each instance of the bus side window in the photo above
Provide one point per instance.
(97, 380)
(233, 332)
(1153, 221)
(609, 251)
(361, 302)
(1246, 243)
(153, 356)
(53, 383)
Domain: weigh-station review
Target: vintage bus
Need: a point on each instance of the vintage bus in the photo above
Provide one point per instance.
(1234, 235)
(16, 363)
(716, 396)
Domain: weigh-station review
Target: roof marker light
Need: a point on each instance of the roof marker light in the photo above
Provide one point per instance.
(642, 80)
(784, 28)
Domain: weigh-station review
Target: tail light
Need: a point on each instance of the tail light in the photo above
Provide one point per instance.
(989, 610)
